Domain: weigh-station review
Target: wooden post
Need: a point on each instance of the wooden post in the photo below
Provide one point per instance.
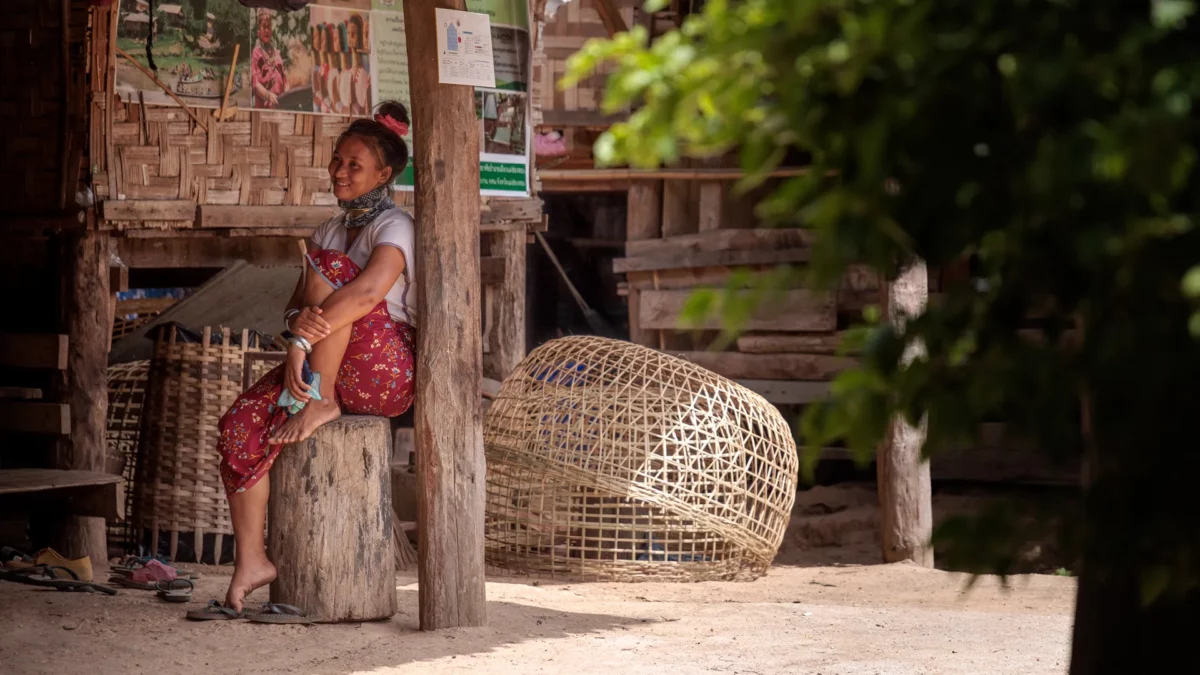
(905, 493)
(643, 220)
(330, 522)
(448, 412)
(84, 384)
(507, 338)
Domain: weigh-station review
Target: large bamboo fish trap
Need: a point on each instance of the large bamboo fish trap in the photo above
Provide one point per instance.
(178, 490)
(612, 461)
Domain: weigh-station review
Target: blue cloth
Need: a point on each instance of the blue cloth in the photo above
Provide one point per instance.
(289, 402)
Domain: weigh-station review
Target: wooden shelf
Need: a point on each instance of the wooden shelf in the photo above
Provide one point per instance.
(83, 493)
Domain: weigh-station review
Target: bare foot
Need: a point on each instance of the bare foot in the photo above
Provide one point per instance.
(247, 577)
(300, 426)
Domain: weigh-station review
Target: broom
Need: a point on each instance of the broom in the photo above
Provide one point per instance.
(597, 323)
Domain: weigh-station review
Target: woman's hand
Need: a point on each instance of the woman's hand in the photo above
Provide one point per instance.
(309, 325)
(293, 374)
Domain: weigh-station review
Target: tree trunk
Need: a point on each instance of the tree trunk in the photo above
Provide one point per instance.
(507, 338)
(329, 525)
(84, 384)
(448, 418)
(905, 492)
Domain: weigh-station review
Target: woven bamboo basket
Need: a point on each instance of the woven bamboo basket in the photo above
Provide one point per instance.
(612, 461)
(178, 488)
(126, 394)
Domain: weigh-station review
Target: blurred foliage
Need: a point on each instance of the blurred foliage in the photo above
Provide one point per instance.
(1051, 142)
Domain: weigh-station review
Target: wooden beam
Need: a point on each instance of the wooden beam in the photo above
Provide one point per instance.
(214, 215)
(738, 366)
(35, 417)
(582, 175)
(149, 209)
(578, 118)
(643, 222)
(723, 240)
(610, 16)
(448, 419)
(685, 259)
(781, 392)
(506, 340)
(87, 317)
(492, 268)
(21, 393)
(118, 278)
(173, 252)
(520, 210)
(82, 493)
(798, 310)
(790, 343)
(692, 277)
(905, 491)
(34, 351)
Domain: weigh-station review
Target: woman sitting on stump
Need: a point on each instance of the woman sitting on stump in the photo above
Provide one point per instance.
(350, 329)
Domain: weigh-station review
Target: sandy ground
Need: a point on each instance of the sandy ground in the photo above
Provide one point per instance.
(810, 614)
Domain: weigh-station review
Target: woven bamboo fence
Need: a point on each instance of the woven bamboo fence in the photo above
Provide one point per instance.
(126, 395)
(178, 488)
(612, 461)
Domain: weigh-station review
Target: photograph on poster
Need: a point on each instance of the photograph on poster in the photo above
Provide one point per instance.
(341, 74)
(281, 61)
(192, 42)
(502, 120)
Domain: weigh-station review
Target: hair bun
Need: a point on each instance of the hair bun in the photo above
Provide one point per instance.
(394, 110)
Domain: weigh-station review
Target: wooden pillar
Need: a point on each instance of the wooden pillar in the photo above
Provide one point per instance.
(448, 414)
(643, 220)
(330, 522)
(905, 492)
(506, 340)
(84, 384)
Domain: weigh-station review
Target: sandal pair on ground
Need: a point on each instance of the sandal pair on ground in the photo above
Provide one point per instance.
(271, 612)
(53, 576)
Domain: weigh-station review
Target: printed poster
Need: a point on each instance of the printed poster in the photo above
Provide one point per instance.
(335, 57)
(464, 45)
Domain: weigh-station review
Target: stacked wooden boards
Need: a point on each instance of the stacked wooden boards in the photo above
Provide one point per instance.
(790, 348)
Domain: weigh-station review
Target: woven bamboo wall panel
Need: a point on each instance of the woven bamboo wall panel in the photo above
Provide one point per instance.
(256, 158)
(178, 486)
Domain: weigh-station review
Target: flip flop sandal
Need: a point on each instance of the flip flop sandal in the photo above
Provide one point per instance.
(58, 584)
(214, 611)
(130, 583)
(174, 590)
(130, 564)
(40, 573)
(273, 612)
(11, 557)
(82, 587)
(179, 574)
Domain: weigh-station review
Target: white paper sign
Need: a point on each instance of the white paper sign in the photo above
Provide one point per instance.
(464, 43)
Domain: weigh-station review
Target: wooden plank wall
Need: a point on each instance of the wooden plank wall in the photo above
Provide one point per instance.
(685, 235)
(42, 74)
(575, 111)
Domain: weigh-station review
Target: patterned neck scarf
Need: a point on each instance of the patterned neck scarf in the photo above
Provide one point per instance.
(363, 209)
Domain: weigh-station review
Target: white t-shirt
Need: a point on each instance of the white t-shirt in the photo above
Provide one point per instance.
(393, 228)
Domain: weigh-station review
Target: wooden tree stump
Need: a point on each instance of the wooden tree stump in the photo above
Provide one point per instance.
(329, 523)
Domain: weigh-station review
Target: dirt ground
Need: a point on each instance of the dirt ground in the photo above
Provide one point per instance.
(818, 611)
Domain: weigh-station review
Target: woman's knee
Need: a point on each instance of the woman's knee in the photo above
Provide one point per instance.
(334, 267)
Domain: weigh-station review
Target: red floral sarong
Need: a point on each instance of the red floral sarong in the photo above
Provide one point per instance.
(375, 378)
